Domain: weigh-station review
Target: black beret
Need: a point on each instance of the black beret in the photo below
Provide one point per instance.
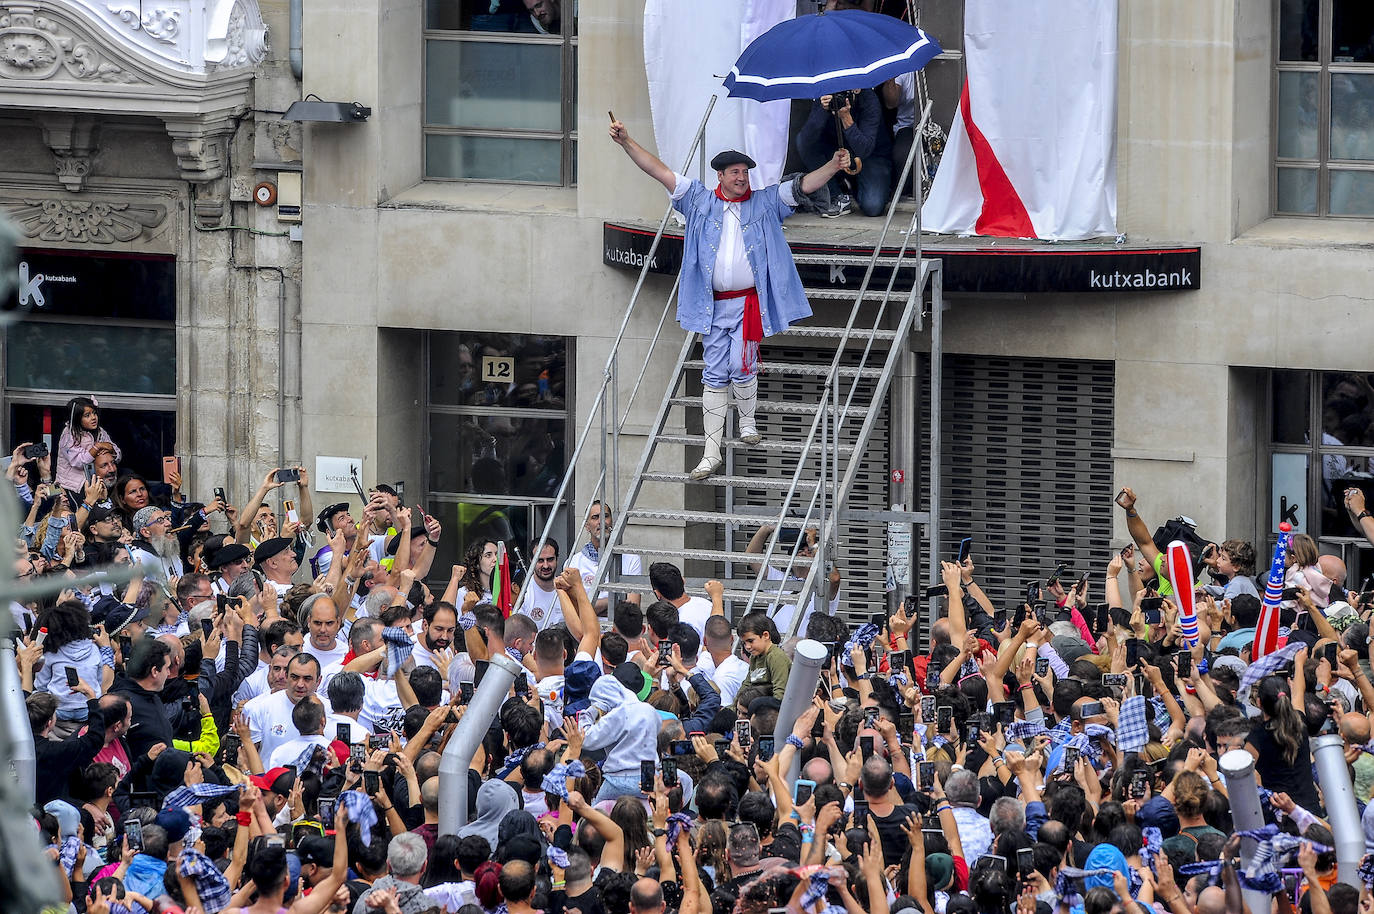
(724, 160)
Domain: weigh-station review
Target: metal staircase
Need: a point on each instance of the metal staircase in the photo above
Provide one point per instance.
(871, 351)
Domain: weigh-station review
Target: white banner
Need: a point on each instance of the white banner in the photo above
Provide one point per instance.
(1032, 151)
(688, 49)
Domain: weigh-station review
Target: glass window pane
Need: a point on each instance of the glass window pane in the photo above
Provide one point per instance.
(519, 16)
(1298, 29)
(1298, 115)
(1347, 409)
(1289, 408)
(484, 158)
(1341, 472)
(1352, 116)
(496, 455)
(1298, 191)
(494, 85)
(1352, 193)
(465, 522)
(537, 379)
(1352, 30)
(91, 358)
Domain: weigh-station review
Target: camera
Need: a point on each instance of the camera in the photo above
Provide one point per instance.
(839, 100)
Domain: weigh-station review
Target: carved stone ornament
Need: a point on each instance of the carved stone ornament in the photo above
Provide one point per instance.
(85, 221)
(159, 23)
(238, 39)
(34, 46)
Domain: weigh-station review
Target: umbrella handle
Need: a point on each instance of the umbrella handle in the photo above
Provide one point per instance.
(855, 165)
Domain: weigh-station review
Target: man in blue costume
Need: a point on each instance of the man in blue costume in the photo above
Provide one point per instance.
(739, 282)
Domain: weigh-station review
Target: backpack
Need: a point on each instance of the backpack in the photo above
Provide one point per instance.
(1184, 530)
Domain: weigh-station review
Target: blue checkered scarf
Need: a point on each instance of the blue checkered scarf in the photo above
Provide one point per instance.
(862, 638)
(194, 794)
(307, 756)
(399, 644)
(1267, 665)
(556, 781)
(818, 885)
(1152, 843)
(514, 759)
(1064, 884)
(1271, 848)
(66, 852)
(515, 654)
(467, 621)
(1061, 731)
(557, 856)
(361, 811)
(591, 552)
(1161, 714)
(1022, 731)
(1132, 728)
(676, 823)
(211, 886)
(1366, 871)
(1086, 742)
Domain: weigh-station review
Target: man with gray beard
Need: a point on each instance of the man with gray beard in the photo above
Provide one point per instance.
(155, 547)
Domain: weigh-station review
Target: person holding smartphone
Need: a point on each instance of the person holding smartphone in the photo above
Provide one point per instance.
(628, 732)
(68, 650)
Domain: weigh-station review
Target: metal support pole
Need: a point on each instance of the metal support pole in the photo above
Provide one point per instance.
(902, 447)
(18, 736)
(807, 662)
(453, 766)
(1338, 794)
(937, 365)
(1238, 768)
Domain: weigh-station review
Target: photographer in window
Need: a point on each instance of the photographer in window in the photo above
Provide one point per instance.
(860, 116)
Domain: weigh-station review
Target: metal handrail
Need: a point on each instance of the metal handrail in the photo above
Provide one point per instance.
(608, 379)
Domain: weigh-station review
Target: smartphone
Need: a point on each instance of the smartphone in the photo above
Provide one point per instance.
(292, 515)
(479, 670)
(1042, 666)
(665, 653)
(765, 748)
(646, 777)
(1059, 571)
(802, 790)
(357, 756)
(965, 547)
(898, 661)
(133, 833)
(927, 775)
(342, 734)
(1070, 758)
(1185, 664)
(1328, 650)
(1121, 498)
(744, 733)
(1114, 679)
(937, 590)
(680, 747)
(206, 626)
(230, 748)
(1025, 861)
(932, 678)
(72, 680)
(327, 806)
(372, 782)
(465, 690)
(290, 474)
(669, 772)
(1289, 593)
(971, 733)
(377, 741)
(170, 466)
(1033, 592)
(999, 618)
(996, 862)
(521, 685)
(927, 708)
(90, 472)
(1102, 617)
(866, 747)
(1132, 652)
(1119, 616)
(219, 493)
(35, 450)
(861, 813)
(944, 719)
(28, 624)
(1089, 709)
(870, 718)
(1004, 713)
(1140, 779)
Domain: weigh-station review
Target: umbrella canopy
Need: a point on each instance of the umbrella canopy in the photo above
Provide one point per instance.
(824, 53)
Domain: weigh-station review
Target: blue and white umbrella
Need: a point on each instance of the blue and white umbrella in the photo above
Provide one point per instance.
(824, 53)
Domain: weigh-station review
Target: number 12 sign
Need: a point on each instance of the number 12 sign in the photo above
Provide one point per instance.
(498, 369)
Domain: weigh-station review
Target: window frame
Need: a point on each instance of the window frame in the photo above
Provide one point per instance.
(567, 136)
(1324, 67)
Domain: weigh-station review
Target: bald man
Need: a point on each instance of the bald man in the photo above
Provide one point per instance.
(646, 897)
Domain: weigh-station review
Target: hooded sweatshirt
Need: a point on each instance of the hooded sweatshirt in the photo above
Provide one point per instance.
(494, 800)
(85, 657)
(627, 729)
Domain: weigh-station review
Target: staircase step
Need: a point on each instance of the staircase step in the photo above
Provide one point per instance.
(741, 583)
(767, 592)
(779, 407)
(712, 517)
(909, 262)
(704, 555)
(791, 447)
(856, 335)
(795, 368)
(739, 482)
(873, 293)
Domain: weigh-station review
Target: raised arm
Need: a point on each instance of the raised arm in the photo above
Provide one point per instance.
(1139, 530)
(818, 178)
(648, 163)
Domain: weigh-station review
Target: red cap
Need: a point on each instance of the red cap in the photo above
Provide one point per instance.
(265, 781)
(1285, 526)
(340, 750)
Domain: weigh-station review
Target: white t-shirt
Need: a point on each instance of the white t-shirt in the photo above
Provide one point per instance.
(326, 657)
(357, 733)
(543, 606)
(630, 566)
(381, 704)
(729, 676)
(291, 750)
(269, 719)
(782, 616)
(695, 612)
(253, 685)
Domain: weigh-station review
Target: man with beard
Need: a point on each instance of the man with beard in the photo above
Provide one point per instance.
(277, 560)
(228, 562)
(105, 460)
(541, 603)
(103, 531)
(154, 546)
(270, 716)
(436, 633)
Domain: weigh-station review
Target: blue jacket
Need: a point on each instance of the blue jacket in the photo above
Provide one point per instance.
(781, 299)
(145, 876)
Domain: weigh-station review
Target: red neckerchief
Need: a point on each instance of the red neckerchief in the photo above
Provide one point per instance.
(753, 317)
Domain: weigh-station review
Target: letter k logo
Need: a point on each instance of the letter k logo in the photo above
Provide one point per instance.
(29, 288)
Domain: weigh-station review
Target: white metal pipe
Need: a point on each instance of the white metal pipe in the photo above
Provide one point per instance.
(807, 662)
(453, 766)
(1238, 768)
(1328, 750)
(18, 735)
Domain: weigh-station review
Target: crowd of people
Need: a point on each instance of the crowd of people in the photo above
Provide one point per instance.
(231, 731)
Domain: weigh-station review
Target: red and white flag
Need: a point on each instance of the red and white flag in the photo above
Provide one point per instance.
(1032, 151)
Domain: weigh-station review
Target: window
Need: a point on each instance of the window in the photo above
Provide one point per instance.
(1321, 434)
(497, 431)
(500, 95)
(1324, 108)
